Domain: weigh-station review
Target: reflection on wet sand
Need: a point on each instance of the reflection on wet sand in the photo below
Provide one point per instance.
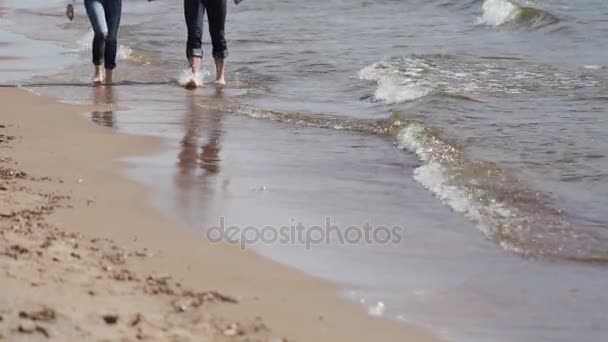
(103, 96)
(199, 122)
(199, 177)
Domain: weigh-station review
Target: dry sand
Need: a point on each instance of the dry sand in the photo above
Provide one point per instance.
(83, 257)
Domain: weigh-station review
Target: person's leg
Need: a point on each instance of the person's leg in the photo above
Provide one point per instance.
(113, 9)
(194, 12)
(216, 13)
(97, 16)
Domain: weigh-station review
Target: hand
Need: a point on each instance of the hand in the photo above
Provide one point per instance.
(69, 12)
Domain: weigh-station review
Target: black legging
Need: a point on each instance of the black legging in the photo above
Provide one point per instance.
(194, 11)
(105, 20)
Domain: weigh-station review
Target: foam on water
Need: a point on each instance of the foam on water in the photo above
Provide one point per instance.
(406, 79)
(516, 218)
(593, 67)
(499, 12)
(377, 310)
(124, 52)
(394, 87)
(436, 176)
(392, 91)
(186, 76)
(506, 211)
(502, 12)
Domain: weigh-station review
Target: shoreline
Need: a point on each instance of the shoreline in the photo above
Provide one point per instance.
(79, 159)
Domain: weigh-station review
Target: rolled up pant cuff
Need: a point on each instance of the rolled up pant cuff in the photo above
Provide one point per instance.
(220, 54)
(194, 53)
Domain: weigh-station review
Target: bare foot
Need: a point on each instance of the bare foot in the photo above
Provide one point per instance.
(220, 68)
(99, 77)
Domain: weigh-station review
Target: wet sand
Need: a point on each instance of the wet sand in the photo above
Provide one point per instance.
(86, 257)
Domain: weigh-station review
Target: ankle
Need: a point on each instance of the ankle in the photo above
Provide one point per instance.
(195, 64)
(220, 68)
(220, 65)
(108, 76)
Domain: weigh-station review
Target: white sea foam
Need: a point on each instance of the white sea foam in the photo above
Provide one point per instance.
(499, 12)
(394, 91)
(124, 52)
(593, 67)
(85, 43)
(186, 76)
(377, 310)
(393, 86)
(437, 177)
(406, 79)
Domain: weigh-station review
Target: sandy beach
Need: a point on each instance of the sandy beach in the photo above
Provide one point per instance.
(84, 256)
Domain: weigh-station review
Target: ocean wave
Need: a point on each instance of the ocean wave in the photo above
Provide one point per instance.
(506, 211)
(504, 12)
(394, 87)
(406, 79)
(371, 126)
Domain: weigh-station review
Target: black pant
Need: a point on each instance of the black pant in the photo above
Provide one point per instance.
(194, 11)
(105, 19)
